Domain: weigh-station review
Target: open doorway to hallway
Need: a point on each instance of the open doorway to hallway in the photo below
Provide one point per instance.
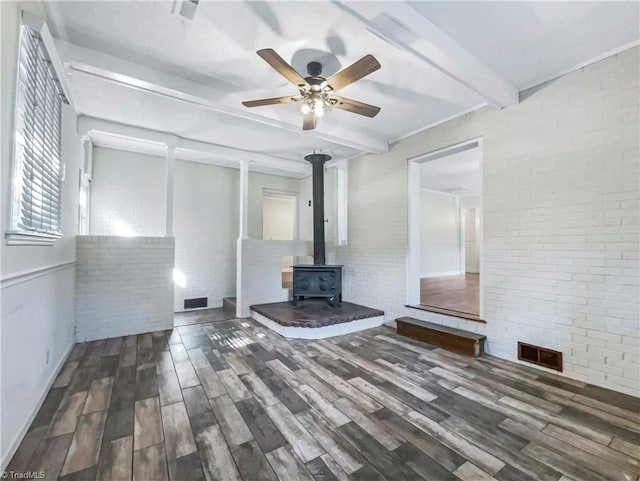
(445, 230)
(280, 222)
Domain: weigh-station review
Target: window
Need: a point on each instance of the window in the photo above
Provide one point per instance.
(36, 215)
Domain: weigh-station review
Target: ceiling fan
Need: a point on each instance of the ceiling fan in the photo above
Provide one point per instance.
(317, 94)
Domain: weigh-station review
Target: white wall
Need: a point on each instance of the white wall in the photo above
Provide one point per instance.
(257, 183)
(470, 210)
(205, 226)
(560, 220)
(439, 234)
(260, 270)
(127, 193)
(37, 281)
(123, 286)
(471, 240)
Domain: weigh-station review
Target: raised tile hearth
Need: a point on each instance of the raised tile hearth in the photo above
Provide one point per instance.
(315, 319)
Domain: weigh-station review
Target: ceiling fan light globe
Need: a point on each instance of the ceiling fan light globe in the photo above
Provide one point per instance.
(305, 106)
(320, 107)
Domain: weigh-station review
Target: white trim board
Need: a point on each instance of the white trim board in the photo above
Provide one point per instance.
(319, 332)
(30, 274)
(441, 274)
(25, 427)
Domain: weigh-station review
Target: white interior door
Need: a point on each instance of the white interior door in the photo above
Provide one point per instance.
(279, 220)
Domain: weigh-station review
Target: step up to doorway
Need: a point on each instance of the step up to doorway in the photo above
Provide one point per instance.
(456, 340)
(229, 303)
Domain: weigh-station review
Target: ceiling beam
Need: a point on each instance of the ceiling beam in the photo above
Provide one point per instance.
(135, 76)
(216, 154)
(401, 25)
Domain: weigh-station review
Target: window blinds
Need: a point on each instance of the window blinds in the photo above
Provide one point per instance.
(38, 154)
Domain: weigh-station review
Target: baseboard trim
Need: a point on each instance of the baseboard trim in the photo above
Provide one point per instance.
(441, 274)
(25, 427)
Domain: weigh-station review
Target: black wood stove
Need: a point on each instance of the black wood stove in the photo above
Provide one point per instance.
(318, 279)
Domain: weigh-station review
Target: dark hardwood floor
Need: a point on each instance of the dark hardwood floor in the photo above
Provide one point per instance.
(232, 400)
(451, 293)
(202, 316)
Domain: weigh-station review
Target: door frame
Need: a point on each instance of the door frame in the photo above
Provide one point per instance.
(413, 220)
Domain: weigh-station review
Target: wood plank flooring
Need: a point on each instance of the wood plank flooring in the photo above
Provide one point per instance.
(202, 316)
(233, 401)
(451, 293)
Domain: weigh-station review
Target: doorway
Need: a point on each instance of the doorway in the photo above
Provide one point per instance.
(445, 235)
(280, 222)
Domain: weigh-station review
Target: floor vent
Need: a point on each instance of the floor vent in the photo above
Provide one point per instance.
(540, 356)
(195, 302)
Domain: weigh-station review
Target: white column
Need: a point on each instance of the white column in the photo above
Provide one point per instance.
(168, 199)
(242, 234)
(413, 251)
(84, 200)
(87, 143)
(244, 199)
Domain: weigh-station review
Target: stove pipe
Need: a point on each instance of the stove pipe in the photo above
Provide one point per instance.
(317, 162)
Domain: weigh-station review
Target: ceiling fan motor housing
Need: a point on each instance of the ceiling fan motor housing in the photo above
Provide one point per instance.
(314, 69)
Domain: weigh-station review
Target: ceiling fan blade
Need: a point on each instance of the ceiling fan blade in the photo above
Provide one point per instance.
(309, 122)
(287, 71)
(356, 107)
(363, 67)
(275, 100)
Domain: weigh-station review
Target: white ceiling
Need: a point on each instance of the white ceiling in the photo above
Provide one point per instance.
(138, 63)
(456, 174)
(531, 42)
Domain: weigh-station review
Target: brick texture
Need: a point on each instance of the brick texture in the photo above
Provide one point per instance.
(560, 222)
(127, 193)
(123, 286)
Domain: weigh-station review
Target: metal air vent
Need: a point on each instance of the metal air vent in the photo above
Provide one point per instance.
(540, 356)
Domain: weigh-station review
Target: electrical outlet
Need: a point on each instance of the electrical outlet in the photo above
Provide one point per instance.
(47, 356)
(309, 203)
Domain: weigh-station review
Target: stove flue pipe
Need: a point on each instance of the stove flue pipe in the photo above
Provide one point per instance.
(317, 162)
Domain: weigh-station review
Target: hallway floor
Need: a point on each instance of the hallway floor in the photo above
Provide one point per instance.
(452, 293)
(234, 401)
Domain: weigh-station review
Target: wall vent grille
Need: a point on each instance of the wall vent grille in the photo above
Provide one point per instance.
(540, 356)
(195, 302)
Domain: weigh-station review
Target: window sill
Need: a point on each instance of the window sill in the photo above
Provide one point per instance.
(29, 239)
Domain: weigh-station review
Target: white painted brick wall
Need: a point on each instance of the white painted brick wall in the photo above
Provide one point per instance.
(206, 229)
(127, 193)
(561, 231)
(206, 222)
(128, 188)
(260, 270)
(123, 286)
